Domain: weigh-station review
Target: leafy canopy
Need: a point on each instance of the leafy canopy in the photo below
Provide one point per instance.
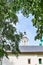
(8, 17)
(8, 33)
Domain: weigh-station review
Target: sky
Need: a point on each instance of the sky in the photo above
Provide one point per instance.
(25, 25)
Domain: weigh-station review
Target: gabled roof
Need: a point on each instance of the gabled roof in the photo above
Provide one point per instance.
(31, 48)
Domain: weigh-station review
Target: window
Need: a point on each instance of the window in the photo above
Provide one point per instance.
(29, 61)
(40, 61)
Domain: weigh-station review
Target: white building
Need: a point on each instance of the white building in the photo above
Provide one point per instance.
(30, 55)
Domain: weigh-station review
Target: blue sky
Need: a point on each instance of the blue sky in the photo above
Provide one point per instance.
(25, 24)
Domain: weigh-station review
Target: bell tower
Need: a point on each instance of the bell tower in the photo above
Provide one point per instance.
(25, 40)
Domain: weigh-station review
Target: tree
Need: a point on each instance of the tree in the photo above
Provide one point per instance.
(8, 32)
(35, 7)
(8, 9)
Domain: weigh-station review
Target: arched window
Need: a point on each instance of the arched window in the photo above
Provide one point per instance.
(40, 61)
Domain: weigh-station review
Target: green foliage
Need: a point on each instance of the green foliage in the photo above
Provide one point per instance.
(2, 53)
(35, 7)
(8, 9)
(8, 17)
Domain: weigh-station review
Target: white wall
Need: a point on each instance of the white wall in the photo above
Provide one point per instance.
(22, 60)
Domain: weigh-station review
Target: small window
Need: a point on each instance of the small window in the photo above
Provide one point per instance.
(29, 61)
(40, 61)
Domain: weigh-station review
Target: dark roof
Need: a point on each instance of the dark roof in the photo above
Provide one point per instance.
(31, 48)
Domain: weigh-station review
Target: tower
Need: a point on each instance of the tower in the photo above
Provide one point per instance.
(24, 40)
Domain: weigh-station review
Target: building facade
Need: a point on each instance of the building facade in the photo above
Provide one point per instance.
(30, 55)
